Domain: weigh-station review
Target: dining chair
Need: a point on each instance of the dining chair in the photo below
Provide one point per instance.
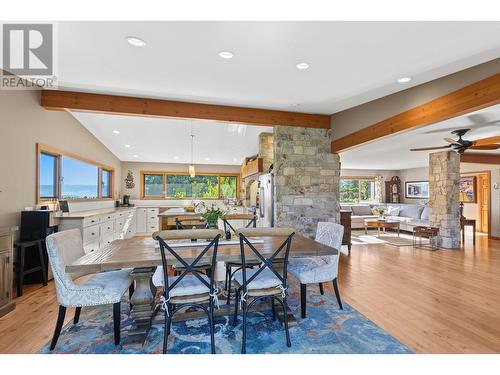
(319, 269)
(251, 222)
(266, 282)
(82, 289)
(191, 288)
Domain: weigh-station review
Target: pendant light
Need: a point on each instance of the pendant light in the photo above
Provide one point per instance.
(192, 172)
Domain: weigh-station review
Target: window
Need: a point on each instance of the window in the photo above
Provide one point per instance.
(66, 176)
(105, 183)
(153, 185)
(178, 186)
(48, 176)
(357, 190)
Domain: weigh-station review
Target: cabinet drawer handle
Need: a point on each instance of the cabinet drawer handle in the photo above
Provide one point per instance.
(92, 234)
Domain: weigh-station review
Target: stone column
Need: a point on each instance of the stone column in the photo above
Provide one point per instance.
(444, 176)
(306, 178)
(266, 150)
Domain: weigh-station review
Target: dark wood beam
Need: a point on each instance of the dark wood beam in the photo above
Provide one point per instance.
(470, 98)
(125, 105)
(480, 158)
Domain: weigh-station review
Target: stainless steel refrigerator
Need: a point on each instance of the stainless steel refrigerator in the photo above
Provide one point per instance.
(266, 200)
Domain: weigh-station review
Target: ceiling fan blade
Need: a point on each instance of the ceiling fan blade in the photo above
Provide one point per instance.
(484, 147)
(486, 141)
(452, 141)
(429, 148)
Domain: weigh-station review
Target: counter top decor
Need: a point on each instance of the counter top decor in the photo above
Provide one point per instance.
(212, 216)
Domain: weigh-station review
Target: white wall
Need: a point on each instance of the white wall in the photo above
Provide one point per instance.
(137, 167)
(23, 124)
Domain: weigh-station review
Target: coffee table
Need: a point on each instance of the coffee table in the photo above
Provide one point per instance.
(384, 224)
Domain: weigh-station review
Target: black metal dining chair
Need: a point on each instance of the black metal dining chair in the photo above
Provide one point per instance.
(266, 282)
(233, 267)
(191, 288)
(187, 223)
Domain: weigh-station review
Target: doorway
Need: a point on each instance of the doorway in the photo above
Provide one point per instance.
(480, 209)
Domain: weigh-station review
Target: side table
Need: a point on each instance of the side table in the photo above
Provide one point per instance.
(431, 233)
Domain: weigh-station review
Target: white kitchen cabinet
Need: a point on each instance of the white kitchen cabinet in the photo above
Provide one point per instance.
(141, 220)
(152, 220)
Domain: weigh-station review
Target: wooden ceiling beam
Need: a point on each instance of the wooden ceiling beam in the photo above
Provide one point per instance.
(480, 158)
(125, 105)
(470, 98)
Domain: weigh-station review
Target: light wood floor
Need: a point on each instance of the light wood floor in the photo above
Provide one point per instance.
(434, 302)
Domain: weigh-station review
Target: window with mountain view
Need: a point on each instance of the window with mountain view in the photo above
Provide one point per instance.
(357, 190)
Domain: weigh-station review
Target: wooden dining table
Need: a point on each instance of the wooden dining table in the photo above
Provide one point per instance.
(142, 254)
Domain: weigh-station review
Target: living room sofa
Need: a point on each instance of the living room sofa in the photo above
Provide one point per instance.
(410, 215)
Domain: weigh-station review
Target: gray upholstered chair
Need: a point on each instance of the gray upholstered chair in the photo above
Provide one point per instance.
(320, 269)
(190, 288)
(75, 290)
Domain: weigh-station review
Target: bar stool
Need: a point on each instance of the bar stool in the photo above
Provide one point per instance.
(21, 255)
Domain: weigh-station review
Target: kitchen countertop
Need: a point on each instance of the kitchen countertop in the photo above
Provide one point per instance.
(90, 213)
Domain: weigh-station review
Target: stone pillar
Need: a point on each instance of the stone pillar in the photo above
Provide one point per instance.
(444, 176)
(266, 150)
(306, 178)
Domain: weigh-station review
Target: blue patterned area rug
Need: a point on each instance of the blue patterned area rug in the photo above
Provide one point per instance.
(326, 330)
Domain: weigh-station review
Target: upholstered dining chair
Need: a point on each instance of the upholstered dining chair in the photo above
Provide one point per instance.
(75, 290)
(266, 282)
(233, 267)
(319, 269)
(191, 288)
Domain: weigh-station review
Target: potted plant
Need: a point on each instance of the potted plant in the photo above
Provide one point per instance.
(380, 211)
(212, 216)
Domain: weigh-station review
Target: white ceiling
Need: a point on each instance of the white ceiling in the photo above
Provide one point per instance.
(393, 153)
(160, 140)
(350, 62)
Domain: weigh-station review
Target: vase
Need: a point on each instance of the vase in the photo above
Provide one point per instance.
(213, 224)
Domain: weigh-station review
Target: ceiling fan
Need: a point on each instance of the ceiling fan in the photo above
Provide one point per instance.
(461, 145)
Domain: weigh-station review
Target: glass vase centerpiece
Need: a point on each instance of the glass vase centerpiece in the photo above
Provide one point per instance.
(380, 211)
(212, 215)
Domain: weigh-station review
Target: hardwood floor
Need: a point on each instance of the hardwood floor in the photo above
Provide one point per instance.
(433, 301)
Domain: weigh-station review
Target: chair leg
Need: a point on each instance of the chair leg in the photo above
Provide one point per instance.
(227, 276)
(59, 324)
(229, 291)
(76, 318)
(42, 264)
(285, 318)
(235, 316)
(131, 290)
(116, 322)
(337, 294)
(20, 270)
(321, 289)
(166, 330)
(211, 323)
(303, 300)
(244, 341)
(273, 307)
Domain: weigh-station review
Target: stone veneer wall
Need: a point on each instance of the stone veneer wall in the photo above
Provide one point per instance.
(444, 213)
(307, 178)
(266, 150)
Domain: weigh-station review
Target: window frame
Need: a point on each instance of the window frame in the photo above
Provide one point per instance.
(59, 154)
(364, 178)
(165, 174)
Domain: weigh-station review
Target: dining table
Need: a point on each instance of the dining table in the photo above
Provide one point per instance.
(142, 255)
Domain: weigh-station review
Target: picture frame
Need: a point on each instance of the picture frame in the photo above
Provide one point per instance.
(417, 189)
(467, 189)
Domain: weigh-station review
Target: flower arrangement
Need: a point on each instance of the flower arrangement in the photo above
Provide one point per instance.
(212, 215)
(380, 211)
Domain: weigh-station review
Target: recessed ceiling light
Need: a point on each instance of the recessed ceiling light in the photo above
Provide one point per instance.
(136, 156)
(226, 55)
(303, 66)
(127, 146)
(404, 79)
(207, 158)
(116, 131)
(135, 41)
(176, 157)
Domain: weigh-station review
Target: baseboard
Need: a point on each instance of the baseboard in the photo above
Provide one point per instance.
(494, 238)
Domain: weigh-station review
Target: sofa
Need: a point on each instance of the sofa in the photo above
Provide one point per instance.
(410, 215)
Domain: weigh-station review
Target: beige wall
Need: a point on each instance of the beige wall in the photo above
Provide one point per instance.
(359, 117)
(137, 167)
(422, 174)
(23, 124)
